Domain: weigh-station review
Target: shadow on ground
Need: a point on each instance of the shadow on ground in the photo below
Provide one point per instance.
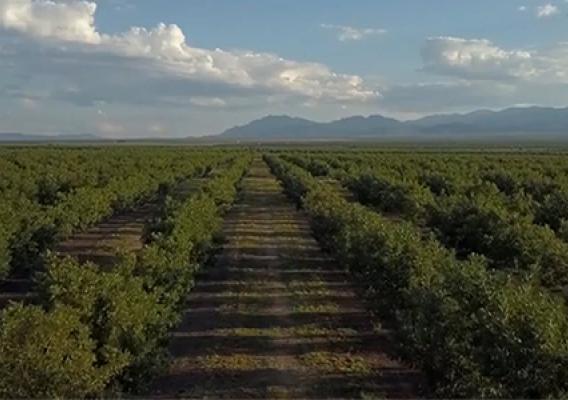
(275, 317)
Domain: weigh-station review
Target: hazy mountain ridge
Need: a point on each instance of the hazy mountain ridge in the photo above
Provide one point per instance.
(529, 120)
(511, 122)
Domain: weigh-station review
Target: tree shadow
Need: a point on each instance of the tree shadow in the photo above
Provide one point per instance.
(276, 317)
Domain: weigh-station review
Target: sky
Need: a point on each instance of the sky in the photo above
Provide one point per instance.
(177, 68)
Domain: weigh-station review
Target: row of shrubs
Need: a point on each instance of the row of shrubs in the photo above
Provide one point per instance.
(450, 172)
(510, 241)
(31, 225)
(476, 222)
(530, 184)
(541, 181)
(473, 332)
(481, 219)
(101, 331)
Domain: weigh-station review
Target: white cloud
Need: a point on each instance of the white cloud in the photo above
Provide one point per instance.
(150, 81)
(522, 8)
(349, 33)
(547, 10)
(67, 21)
(481, 73)
(207, 102)
(162, 52)
(480, 59)
(475, 59)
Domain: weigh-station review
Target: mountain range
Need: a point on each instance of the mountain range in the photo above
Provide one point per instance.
(524, 121)
(520, 122)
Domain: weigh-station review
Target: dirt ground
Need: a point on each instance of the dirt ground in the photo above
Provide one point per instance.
(122, 232)
(276, 318)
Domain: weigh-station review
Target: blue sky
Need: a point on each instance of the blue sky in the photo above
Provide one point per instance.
(126, 68)
(292, 28)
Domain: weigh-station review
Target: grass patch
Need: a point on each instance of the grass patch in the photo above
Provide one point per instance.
(305, 285)
(309, 330)
(240, 363)
(229, 362)
(312, 292)
(334, 363)
(316, 308)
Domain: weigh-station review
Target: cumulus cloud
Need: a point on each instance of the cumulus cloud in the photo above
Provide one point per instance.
(69, 46)
(547, 10)
(54, 61)
(480, 59)
(67, 21)
(479, 72)
(474, 58)
(349, 33)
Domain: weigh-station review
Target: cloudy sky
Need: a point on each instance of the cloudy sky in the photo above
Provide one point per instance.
(174, 68)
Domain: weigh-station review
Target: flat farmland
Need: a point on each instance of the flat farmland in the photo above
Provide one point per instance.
(304, 272)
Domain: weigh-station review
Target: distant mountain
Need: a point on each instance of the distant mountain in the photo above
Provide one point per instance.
(22, 137)
(512, 121)
(277, 126)
(365, 126)
(284, 127)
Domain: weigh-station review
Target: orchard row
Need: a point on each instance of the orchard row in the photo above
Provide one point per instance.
(475, 325)
(96, 329)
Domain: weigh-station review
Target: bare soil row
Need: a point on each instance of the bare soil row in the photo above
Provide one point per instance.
(275, 317)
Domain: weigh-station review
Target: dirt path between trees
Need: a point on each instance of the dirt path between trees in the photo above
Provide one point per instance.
(122, 232)
(275, 318)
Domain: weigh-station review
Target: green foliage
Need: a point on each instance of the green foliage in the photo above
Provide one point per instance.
(47, 355)
(125, 320)
(473, 332)
(494, 205)
(221, 186)
(408, 198)
(482, 225)
(319, 168)
(554, 210)
(503, 180)
(52, 193)
(6, 232)
(169, 262)
(483, 337)
(563, 230)
(438, 184)
(107, 327)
